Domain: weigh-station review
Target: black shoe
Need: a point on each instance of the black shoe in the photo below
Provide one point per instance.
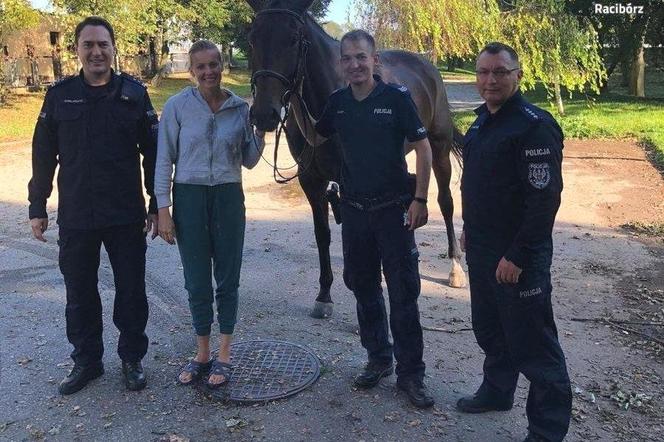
(480, 403)
(372, 374)
(134, 376)
(532, 437)
(79, 376)
(417, 392)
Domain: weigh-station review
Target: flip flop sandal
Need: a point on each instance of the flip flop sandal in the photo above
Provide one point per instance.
(196, 369)
(219, 369)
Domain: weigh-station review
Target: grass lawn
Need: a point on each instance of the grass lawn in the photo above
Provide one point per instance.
(610, 115)
(237, 81)
(19, 115)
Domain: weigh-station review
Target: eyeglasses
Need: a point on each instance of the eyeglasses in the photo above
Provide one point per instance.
(497, 73)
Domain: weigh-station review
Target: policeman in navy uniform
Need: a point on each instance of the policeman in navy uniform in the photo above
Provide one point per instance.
(510, 188)
(94, 126)
(380, 209)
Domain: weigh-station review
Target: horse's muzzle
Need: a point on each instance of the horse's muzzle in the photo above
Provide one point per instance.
(265, 121)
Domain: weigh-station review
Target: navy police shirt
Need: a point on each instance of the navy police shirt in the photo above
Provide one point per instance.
(96, 136)
(511, 182)
(372, 134)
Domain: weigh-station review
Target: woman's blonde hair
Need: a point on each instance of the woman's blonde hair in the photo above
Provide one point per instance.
(204, 45)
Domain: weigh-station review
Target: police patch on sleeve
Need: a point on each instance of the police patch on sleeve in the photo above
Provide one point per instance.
(539, 175)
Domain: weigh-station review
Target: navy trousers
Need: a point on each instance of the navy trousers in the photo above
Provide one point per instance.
(514, 325)
(372, 239)
(79, 264)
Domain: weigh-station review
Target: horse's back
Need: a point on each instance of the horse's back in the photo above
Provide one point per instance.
(425, 84)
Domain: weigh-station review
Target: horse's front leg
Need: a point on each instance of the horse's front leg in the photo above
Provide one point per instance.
(315, 189)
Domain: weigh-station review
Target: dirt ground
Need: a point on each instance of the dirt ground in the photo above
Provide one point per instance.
(600, 271)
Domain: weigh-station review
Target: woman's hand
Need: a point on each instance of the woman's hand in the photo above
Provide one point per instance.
(166, 225)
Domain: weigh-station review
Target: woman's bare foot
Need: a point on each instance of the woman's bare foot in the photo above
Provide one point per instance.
(219, 378)
(185, 376)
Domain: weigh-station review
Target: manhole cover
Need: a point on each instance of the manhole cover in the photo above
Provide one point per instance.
(268, 370)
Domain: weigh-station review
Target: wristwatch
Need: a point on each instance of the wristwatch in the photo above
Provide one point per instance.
(420, 200)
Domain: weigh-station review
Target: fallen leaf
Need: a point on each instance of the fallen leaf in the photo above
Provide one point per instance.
(5, 425)
(230, 423)
(391, 417)
(24, 361)
(54, 431)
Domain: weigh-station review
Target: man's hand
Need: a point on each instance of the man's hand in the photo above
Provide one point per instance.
(39, 226)
(152, 223)
(507, 272)
(259, 133)
(166, 226)
(462, 241)
(418, 215)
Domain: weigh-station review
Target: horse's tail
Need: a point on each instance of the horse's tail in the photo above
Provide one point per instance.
(457, 145)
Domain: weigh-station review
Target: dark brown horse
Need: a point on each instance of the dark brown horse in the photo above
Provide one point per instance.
(292, 56)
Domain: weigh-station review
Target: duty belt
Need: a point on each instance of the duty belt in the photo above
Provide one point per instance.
(373, 204)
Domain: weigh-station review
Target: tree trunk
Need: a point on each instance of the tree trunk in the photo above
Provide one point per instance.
(559, 99)
(451, 65)
(57, 63)
(637, 75)
(154, 64)
(230, 56)
(625, 73)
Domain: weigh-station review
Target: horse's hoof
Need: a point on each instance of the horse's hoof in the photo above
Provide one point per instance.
(321, 310)
(457, 279)
(457, 275)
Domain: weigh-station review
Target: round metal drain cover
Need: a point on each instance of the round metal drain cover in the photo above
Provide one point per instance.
(268, 370)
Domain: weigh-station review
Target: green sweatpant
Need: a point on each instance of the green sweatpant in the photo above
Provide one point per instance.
(209, 227)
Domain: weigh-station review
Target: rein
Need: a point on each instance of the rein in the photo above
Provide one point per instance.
(293, 86)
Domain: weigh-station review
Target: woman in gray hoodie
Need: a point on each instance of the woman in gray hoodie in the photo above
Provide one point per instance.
(205, 133)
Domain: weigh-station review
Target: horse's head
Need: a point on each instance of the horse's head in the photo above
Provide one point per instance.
(278, 48)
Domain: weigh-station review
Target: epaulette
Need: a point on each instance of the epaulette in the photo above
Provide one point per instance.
(400, 87)
(530, 112)
(62, 81)
(341, 89)
(133, 79)
(132, 89)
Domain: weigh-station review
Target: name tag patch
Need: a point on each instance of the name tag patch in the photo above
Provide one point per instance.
(532, 292)
(539, 175)
(537, 152)
(382, 111)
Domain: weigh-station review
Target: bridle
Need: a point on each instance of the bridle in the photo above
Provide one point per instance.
(293, 86)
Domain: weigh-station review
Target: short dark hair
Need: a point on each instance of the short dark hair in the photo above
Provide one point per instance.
(357, 35)
(204, 45)
(496, 47)
(93, 21)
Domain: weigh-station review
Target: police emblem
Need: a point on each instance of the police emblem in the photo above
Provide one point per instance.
(539, 175)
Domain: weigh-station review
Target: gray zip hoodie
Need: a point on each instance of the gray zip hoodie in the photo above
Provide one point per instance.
(206, 148)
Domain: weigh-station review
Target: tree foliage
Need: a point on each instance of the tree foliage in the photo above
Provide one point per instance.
(440, 28)
(14, 16)
(622, 36)
(555, 47)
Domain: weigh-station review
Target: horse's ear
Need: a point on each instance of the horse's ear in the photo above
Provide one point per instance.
(256, 5)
